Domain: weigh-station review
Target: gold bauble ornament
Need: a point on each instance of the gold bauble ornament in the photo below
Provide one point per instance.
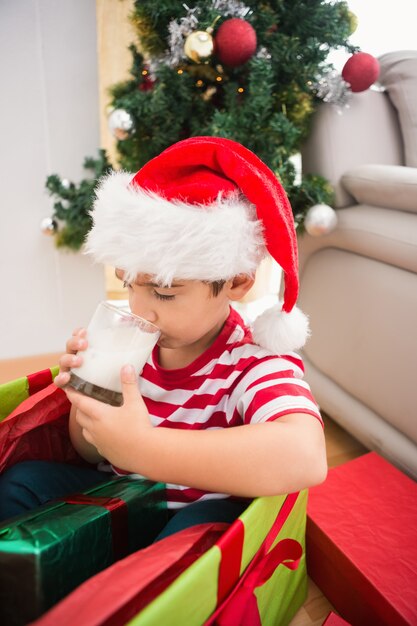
(353, 22)
(199, 46)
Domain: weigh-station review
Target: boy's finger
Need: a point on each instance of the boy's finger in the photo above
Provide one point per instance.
(67, 361)
(130, 387)
(87, 436)
(61, 379)
(89, 406)
(76, 343)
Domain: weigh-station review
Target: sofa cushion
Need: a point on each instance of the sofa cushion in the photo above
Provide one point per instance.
(398, 74)
(362, 317)
(389, 186)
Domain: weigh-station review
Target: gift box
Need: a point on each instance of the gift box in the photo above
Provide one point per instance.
(362, 542)
(333, 619)
(13, 393)
(251, 572)
(45, 554)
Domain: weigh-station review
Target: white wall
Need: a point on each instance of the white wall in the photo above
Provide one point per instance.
(383, 26)
(48, 124)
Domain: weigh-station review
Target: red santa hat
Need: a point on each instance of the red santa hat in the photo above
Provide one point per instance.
(206, 208)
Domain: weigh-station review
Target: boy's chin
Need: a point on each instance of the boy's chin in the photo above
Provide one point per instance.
(166, 342)
(170, 343)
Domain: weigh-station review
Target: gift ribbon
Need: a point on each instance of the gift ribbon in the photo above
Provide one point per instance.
(231, 547)
(241, 603)
(242, 606)
(39, 381)
(118, 519)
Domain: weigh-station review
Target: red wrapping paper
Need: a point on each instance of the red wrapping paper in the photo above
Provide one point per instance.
(115, 595)
(39, 380)
(38, 430)
(362, 542)
(119, 519)
(334, 620)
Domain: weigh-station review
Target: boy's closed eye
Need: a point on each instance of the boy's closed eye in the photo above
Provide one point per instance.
(159, 296)
(162, 296)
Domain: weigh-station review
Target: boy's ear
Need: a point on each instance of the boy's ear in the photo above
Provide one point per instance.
(239, 286)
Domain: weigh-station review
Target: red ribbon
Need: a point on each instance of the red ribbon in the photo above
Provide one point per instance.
(231, 546)
(118, 519)
(241, 606)
(39, 381)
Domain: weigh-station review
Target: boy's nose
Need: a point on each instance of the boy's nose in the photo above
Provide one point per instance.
(144, 312)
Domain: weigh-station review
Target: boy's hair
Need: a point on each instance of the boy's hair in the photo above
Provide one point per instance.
(216, 286)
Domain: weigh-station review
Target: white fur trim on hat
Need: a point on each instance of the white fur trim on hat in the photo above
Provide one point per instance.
(281, 332)
(141, 232)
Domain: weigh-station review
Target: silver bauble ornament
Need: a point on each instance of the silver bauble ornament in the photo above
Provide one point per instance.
(320, 220)
(121, 124)
(49, 226)
(199, 46)
(65, 183)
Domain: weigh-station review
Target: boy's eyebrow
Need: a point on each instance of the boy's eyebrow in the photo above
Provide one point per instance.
(151, 284)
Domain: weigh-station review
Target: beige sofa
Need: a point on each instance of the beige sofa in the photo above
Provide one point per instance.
(358, 283)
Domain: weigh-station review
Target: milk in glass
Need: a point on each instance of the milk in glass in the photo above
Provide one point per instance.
(115, 338)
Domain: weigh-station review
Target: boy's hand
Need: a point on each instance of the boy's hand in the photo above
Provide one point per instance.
(71, 358)
(118, 433)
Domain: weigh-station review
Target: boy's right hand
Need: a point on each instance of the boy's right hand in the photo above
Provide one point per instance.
(72, 357)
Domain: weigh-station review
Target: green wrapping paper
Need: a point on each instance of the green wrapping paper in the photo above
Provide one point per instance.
(46, 554)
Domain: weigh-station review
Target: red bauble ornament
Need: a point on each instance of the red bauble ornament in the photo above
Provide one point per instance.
(361, 70)
(235, 42)
(147, 82)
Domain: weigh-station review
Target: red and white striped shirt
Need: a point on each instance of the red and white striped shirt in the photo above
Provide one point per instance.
(234, 382)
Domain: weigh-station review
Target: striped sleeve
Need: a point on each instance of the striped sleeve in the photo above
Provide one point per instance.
(274, 388)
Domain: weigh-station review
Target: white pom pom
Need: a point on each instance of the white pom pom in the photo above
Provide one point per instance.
(281, 332)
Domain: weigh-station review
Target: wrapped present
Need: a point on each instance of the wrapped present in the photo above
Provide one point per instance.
(13, 393)
(333, 619)
(47, 553)
(253, 573)
(362, 542)
(34, 422)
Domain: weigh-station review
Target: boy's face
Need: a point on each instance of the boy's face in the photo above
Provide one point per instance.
(187, 313)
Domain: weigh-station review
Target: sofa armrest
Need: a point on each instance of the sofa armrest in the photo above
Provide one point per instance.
(374, 232)
(389, 186)
(366, 132)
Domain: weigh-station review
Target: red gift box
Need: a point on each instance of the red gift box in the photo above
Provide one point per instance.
(362, 542)
(333, 619)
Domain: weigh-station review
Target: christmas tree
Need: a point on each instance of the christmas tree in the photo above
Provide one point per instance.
(247, 71)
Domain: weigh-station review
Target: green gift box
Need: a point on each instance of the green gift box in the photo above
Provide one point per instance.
(46, 554)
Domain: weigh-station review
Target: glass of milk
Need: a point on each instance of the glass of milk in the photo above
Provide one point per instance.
(116, 337)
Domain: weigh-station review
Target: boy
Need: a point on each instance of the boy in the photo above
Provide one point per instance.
(231, 416)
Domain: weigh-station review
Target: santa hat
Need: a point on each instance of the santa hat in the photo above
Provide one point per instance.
(204, 209)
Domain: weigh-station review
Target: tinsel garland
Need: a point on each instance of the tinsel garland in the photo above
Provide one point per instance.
(332, 88)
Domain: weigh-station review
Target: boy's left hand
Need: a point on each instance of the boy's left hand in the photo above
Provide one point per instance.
(118, 433)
